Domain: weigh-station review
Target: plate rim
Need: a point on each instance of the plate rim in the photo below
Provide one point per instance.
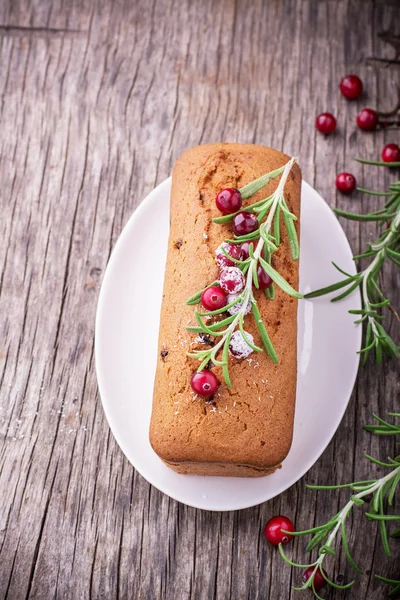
(100, 310)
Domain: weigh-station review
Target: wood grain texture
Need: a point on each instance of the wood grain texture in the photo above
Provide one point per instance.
(97, 101)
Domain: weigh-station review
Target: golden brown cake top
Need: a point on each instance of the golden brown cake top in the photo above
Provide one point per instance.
(251, 422)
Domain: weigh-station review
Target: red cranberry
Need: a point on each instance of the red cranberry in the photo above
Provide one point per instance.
(228, 201)
(367, 119)
(245, 249)
(319, 581)
(273, 531)
(204, 383)
(325, 123)
(264, 280)
(213, 298)
(244, 223)
(351, 87)
(345, 183)
(391, 153)
(233, 250)
(232, 280)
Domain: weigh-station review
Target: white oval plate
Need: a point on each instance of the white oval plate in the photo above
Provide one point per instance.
(126, 351)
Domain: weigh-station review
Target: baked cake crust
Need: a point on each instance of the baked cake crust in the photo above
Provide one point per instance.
(247, 431)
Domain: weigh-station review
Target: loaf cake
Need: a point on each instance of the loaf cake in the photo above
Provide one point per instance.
(245, 429)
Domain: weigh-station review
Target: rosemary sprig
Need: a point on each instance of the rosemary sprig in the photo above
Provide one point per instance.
(379, 492)
(373, 298)
(384, 427)
(261, 250)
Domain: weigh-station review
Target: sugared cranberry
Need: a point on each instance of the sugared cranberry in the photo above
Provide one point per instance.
(228, 201)
(325, 123)
(233, 310)
(319, 581)
(233, 250)
(213, 298)
(273, 531)
(238, 345)
(367, 119)
(245, 249)
(345, 183)
(391, 153)
(244, 223)
(232, 280)
(204, 383)
(351, 87)
(264, 280)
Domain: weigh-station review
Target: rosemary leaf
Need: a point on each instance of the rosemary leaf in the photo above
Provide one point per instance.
(277, 228)
(225, 359)
(346, 586)
(346, 292)
(382, 517)
(256, 185)
(290, 562)
(263, 333)
(279, 280)
(319, 537)
(377, 163)
(204, 326)
(346, 550)
(372, 193)
(361, 217)
(330, 288)
(270, 292)
(292, 235)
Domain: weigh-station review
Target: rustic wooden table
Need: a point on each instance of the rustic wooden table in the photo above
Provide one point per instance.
(97, 102)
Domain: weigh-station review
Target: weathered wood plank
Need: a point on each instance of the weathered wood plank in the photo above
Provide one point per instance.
(97, 101)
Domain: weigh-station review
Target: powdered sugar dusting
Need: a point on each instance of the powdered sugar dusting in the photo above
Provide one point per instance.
(232, 280)
(233, 310)
(238, 347)
(222, 259)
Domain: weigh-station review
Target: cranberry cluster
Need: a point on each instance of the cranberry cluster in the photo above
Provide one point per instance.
(351, 87)
(231, 281)
(275, 536)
